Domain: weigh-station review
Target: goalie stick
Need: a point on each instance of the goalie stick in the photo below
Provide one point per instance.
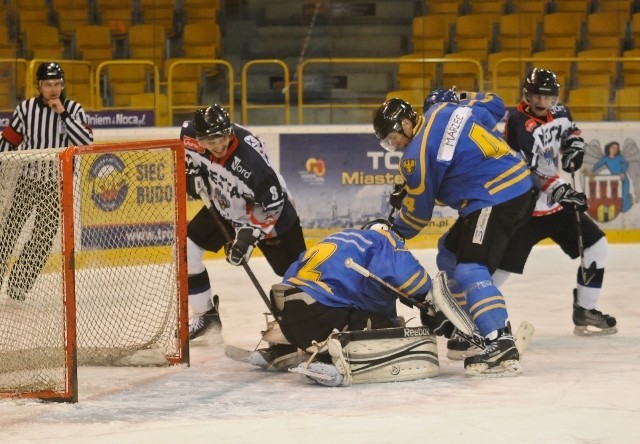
(465, 328)
(202, 192)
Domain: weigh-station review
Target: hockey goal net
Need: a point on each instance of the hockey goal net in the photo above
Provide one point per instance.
(92, 263)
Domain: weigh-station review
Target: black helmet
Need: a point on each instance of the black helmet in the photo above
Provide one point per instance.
(49, 71)
(440, 95)
(542, 82)
(389, 117)
(212, 121)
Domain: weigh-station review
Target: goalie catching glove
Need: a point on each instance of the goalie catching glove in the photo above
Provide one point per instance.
(573, 149)
(568, 197)
(241, 248)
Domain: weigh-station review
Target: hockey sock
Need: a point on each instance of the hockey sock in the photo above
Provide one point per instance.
(200, 293)
(485, 303)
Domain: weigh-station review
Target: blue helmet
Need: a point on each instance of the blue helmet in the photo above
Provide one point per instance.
(440, 95)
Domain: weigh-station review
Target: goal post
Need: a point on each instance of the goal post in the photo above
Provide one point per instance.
(92, 263)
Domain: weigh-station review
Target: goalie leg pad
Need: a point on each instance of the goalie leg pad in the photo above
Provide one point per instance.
(380, 355)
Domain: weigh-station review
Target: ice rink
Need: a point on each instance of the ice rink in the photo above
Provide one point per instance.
(573, 390)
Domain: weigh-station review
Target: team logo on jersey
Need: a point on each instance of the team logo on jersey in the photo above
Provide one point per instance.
(530, 125)
(192, 144)
(109, 182)
(408, 165)
(235, 166)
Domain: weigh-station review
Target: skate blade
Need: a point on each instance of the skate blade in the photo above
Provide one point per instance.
(585, 330)
(327, 375)
(459, 355)
(504, 370)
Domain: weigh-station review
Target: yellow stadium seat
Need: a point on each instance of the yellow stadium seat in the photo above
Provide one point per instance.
(69, 15)
(518, 31)
(185, 82)
(596, 73)
(126, 80)
(412, 75)
(589, 104)
(117, 15)
(630, 69)
(79, 82)
(620, 6)
(201, 10)
(606, 30)
(159, 12)
(148, 42)
(627, 103)
(93, 43)
(430, 35)
(561, 30)
(43, 42)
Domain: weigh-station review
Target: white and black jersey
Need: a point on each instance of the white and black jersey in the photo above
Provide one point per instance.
(245, 189)
(34, 125)
(539, 140)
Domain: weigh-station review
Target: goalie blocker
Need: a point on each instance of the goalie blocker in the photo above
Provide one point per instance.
(369, 356)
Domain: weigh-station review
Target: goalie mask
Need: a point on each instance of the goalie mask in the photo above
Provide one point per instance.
(440, 95)
(212, 121)
(377, 224)
(388, 119)
(541, 82)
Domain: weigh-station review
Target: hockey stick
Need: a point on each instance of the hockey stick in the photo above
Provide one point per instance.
(202, 191)
(583, 270)
(465, 328)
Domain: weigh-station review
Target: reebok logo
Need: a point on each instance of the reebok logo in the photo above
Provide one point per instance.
(235, 166)
(415, 332)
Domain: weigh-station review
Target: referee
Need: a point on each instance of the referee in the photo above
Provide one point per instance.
(47, 121)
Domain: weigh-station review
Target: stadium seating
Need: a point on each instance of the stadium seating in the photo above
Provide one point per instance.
(589, 103)
(518, 31)
(69, 15)
(627, 102)
(42, 42)
(93, 43)
(159, 12)
(117, 15)
(148, 42)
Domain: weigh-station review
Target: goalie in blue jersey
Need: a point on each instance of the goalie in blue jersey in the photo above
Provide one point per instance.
(454, 156)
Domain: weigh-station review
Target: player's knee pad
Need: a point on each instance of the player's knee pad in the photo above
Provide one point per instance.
(384, 355)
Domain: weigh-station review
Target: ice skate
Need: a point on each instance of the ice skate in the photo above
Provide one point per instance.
(591, 322)
(277, 357)
(209, 321)
(458, 349)
(499, 358)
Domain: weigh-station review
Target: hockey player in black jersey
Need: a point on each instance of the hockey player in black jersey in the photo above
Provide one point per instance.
(250, 199)
(544, 133)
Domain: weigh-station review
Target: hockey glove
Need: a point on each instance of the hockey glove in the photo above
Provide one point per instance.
(196, 178)
(396, 196)
(413, 300)
(241, 248)
(573, 150)
(437, 323)
(568, 197)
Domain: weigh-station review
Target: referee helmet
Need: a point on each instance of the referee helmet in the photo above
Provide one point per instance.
(49, 71)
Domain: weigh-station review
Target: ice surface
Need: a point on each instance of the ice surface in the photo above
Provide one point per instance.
(573, 390)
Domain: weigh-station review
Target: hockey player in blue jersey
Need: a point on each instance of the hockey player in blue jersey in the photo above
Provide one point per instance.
(453, 157)
(326, 295)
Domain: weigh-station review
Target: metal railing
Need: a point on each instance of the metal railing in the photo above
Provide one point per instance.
(22, 75)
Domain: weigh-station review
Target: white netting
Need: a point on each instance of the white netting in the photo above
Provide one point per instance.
(124, 262)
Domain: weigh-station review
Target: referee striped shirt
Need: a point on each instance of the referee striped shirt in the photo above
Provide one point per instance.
(34, 125)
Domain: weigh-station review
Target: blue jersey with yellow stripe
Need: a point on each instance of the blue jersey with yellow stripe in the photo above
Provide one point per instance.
(456, 159)
(321, 272)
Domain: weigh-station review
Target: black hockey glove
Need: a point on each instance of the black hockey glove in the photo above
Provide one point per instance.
(241, 248)
(412, 301)
(396, 196)
(573, 150)
(569, 198)
(196, 178)
(437, 323)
